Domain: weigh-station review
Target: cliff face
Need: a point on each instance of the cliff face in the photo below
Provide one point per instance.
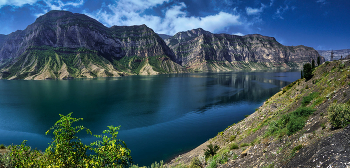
(337, 54)
(86, 48)
(198, 47)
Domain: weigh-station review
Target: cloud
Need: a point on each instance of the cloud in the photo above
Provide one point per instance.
(57, 5)
(238, 34)
(255, 11)
(323, 2)
(280, 11)
(16, 3)
(175, 17)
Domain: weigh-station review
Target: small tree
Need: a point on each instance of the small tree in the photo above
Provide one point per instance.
(307, 70)
(313, 64)
(211, 151)
(318, 61)
(301, 74)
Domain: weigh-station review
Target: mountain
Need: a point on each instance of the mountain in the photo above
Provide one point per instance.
(337, 54)
(201, 50)
(63, 45)
(306, 124)
(164, 36)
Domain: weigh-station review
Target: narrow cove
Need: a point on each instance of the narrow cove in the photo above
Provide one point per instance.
(160, 116)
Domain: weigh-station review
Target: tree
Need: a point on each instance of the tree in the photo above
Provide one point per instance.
(301, 74)
(307, 69)
(313, 64)
(318, 61)
(211, 151)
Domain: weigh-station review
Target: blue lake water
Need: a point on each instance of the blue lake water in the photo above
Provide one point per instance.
(161, 116)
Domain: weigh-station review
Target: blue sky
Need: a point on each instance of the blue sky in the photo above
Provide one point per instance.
(321, 24)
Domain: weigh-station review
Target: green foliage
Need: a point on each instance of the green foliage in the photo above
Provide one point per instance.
(295, 149)
(318, 61)
(313, 64)
(195, 163)
(232, 137)
(339, 115)
(290, 123)
(244, 144)
(307, 99)
(234, 146)
(212, 164)
(211, 150)
(307, 69)
(2, 146)
(67, 150)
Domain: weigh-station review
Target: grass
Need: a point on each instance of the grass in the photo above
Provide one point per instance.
(234, 146)
(307, 99)
(244, 144)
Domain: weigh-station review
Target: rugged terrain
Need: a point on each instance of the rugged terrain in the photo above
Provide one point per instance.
(203, 51)
(64, 45)
(61, 45)
(263, 139)
(337, 54)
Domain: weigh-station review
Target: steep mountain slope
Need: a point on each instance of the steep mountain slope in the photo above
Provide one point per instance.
(337, 54)
(61, 44)
(201, 50)
(296, 127)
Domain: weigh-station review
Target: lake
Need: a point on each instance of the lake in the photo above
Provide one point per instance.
(161, 116)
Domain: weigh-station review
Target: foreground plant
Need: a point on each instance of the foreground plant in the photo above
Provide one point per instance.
(67, 150)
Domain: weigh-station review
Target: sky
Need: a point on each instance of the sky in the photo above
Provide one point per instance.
(321, 24)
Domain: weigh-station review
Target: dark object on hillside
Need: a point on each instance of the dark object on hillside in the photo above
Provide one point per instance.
(307, 69)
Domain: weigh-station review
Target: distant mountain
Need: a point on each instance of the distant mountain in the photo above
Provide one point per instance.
(164, 36)
(337, 54)
(201, 50)
(63, 45)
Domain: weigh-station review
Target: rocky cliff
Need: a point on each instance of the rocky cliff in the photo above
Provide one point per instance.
(202, 50)
(61, 44)
(337, 54)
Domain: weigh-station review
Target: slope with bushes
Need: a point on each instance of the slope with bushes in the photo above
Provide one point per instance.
(300, 125)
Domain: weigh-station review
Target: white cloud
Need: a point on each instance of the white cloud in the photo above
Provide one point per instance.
(238, 34)
(255, 11)
(16, 3)
(280, 11)
(175, 18)
(323, 2)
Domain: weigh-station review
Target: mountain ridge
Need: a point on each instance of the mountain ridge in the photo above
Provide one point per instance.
(62, 44)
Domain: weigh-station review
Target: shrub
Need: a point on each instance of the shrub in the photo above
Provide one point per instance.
(295, 124)
(307, 99)
(234, 146)
(339, 115)
(195, 163)
(232, 137)
(2, 146)
(295, 149)
(211, 150)
(307, 70)
(303, 112)
(244, 144)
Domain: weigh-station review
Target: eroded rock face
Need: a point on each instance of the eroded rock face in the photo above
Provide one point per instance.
(199, 45)
(332, 151)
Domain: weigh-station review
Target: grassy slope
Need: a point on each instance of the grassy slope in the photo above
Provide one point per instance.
(258, 145)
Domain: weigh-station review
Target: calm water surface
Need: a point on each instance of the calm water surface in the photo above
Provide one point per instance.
(160, 116)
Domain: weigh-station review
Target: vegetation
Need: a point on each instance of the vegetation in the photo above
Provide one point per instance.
(307, 99)
(234, 146)
(318, 61)
(307, 70)
(339, 115)
(211, 150)
(67, 150)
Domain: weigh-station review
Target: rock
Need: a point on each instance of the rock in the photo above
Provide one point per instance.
(245, 152)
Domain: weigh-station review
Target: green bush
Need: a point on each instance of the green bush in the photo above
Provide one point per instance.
(234, 146)
(339, 115)
(244, 144)
(295, 149)
(67, 150)
(2, 146)
(211, 150)
(307, 99)
(307, 70)
(295, 124)
(195, 163)
(232, 137)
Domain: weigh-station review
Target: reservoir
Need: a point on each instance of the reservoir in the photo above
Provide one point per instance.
(161, 116)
